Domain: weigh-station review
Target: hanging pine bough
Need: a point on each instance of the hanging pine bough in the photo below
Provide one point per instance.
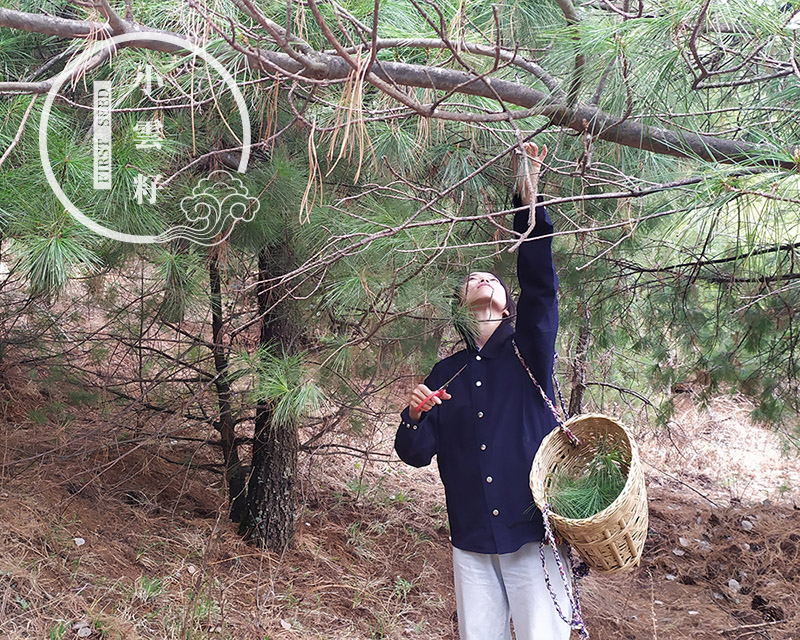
(581, 493)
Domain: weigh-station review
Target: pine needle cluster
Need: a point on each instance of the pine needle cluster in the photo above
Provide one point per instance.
(594, 487)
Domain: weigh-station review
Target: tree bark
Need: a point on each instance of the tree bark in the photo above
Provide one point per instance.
(578, 382)
(3, 382)
(225, 424)
(272, 488)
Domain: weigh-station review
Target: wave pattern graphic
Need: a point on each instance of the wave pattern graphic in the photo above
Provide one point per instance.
(216, 204)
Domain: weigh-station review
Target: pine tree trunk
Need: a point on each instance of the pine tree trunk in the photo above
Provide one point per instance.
(578, 382)
(272, 488)
(3, 382)
(234, 472)
(272, 500)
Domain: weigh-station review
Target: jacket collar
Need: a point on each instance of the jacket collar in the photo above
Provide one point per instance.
(495, 343)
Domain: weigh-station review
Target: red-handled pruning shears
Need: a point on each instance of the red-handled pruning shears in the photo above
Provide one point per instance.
(440, 391)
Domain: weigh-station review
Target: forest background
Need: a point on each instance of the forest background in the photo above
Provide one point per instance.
(379, 174)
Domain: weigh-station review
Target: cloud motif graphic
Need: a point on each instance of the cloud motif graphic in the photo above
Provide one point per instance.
(214, 207)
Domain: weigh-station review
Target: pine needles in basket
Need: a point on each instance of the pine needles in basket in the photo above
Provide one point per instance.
(594, 487)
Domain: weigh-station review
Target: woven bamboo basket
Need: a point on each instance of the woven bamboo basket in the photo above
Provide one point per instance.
(613, 539)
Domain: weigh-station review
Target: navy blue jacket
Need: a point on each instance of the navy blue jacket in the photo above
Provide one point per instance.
(486, 436)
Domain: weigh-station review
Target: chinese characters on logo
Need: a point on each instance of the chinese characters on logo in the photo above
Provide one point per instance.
(212, 204)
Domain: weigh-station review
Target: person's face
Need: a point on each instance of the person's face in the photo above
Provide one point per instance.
(483, 289)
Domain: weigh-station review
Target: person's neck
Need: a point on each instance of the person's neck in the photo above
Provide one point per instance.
(487, 322)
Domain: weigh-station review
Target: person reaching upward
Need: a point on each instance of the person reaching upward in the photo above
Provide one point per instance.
(485, 429)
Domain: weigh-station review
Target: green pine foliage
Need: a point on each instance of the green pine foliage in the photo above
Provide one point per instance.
(676, 283)
(582, 493)
(283, 380)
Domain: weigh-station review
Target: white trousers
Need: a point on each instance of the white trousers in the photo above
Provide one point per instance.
(493, 588)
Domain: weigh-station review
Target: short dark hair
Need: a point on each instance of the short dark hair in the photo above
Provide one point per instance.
(458, 303)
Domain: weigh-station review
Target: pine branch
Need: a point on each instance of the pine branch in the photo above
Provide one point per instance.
(19, 131)
(389, 76)
(571, 16)
(117, 24)
(52, 25)
(704, 263)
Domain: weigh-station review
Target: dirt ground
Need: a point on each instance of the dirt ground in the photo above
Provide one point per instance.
(112, 542)
(722, 558)
(706, 573)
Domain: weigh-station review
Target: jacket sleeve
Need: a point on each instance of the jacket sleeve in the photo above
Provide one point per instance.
(416, 444)
(537, 309)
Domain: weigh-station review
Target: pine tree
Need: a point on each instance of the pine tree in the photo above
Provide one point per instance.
(383, 175)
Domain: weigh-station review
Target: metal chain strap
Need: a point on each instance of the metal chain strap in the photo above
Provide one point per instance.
(576, 621)
(572, 438)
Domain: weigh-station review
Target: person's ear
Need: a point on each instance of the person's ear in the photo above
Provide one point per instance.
(506, 313)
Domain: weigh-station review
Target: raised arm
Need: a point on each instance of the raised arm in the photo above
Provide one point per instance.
(537, 310)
